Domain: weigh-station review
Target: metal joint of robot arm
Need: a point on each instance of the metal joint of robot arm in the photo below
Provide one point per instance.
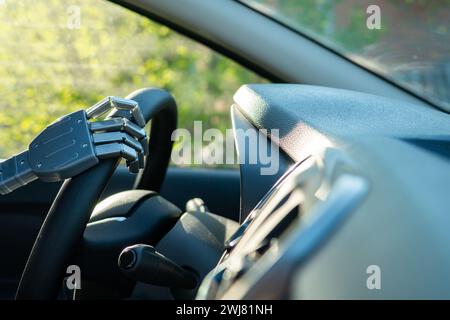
(73, 144)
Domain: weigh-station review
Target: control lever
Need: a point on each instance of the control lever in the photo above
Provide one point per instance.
(143, 263)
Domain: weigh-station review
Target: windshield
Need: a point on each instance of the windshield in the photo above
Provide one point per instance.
(405, 41)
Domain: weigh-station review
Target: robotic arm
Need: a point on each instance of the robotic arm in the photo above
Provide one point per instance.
(73, 144)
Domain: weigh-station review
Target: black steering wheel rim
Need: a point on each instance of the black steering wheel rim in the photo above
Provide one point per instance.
(66, 220)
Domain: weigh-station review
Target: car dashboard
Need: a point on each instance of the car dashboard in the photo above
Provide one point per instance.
(362, 188)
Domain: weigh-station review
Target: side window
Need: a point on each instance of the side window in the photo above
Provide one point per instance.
(58, 56)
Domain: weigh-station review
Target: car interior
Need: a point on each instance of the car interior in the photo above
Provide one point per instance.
(361, 181)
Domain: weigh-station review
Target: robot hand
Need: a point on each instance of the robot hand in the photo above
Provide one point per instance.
(73, 144)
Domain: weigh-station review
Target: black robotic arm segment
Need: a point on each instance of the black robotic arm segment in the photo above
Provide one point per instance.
(72, 144)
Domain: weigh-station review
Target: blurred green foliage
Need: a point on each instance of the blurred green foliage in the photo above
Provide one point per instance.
(319, 19)
(58, 56)
(411, 46)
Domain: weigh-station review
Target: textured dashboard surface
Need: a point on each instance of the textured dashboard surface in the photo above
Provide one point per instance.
(402, 226)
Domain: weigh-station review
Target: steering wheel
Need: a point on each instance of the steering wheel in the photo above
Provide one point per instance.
(66, 220)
